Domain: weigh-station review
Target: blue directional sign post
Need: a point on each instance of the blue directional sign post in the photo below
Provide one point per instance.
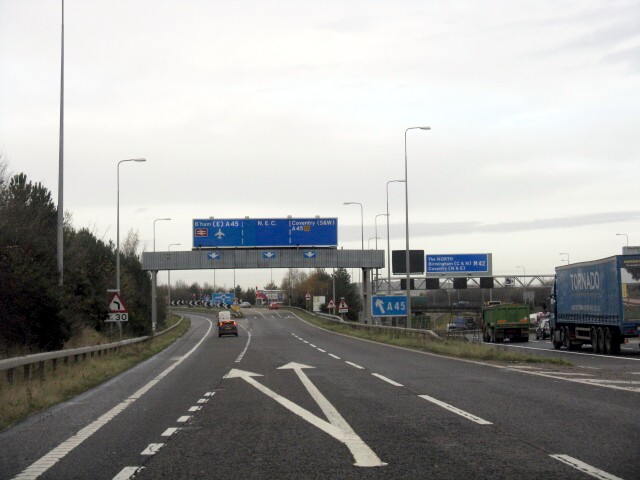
(265, 232)
(389, 306)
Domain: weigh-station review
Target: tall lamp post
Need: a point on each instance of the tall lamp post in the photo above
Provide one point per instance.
(118, 219)
(169, 275)
(362, 239)
(154, 231)
(375, 221)
(568, 262)
(406, 206)
(361, 220)
(388, 241)
(620, 234)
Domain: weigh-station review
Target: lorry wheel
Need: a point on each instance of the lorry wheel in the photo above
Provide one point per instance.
(607, 341)
(594, 339)
(566, 340)
(554, 341)
(600, 341)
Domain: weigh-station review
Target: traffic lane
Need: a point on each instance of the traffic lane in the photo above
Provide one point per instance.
(552, 421)
(29, 440)
(124, 437)
(244, 432)
(627, 361)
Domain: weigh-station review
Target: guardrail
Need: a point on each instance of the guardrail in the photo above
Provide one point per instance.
(26, 362)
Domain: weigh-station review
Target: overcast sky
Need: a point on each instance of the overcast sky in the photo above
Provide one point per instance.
(275, 108)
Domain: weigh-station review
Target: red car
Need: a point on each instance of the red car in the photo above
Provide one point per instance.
(274, 306)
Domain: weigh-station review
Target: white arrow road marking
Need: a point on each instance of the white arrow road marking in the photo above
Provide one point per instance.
(127, 472)
(340, 430)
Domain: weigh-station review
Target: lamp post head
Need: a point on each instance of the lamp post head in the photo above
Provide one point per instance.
(424, 128)
(139, 159)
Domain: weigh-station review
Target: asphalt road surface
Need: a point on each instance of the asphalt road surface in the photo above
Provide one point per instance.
(288, 400)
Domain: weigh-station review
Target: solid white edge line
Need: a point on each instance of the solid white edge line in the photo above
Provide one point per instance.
(455, 410)
(388, 380)
(584, 467)
(47, 461)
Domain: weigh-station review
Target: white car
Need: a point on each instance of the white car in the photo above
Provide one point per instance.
(245, 304)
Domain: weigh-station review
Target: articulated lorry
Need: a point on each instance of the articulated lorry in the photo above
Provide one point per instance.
(507, 320)
(597, 303)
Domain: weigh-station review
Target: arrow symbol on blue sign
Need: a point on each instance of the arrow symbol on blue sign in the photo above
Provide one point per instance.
(214, 255)
(269, 254)
(380, 306)
(310, 254)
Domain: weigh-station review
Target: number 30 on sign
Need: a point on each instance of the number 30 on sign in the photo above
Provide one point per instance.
(118, 317)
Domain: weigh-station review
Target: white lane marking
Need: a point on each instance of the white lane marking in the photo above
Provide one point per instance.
(54, 456)
(585, 468)
(184, 419)
(312, 345)
(388, 380)
(152, 449)
(321, 350)
(127, 472)
(568, 374)
(169, 431)
(195, 409)
(354, 365)
(209, 394)
(335, 356)
(362, 454)
(455, 410)
(305, 341)
(203, 400)
(246, 347)
(567, 352)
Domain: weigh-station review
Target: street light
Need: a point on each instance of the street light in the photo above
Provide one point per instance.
(118, 219)
(154, 231)
(169, 274)
(375, 221)
(361, 220)
(568, 262)
(369, 242)
(362, 240)
(388, 241)
(406, 206)
(625, 236)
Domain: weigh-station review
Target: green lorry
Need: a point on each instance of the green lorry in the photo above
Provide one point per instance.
(508, 320)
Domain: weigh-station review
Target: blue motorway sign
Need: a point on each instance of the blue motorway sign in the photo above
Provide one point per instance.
(459, 264)
(389, 306)
(265, 232)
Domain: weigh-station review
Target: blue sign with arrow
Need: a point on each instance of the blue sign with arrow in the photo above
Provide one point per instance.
(389, 306)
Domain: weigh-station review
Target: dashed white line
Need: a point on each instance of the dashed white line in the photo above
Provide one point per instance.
(312, 345)
(203, 400)
(354, 365)
(388, 380)
(195, 409)
(127, 472)
(209, 394)
(321, 350)
(455, 410)
(169, 431)
(335, 356)
(585, 468)
(152, 449)
(184, 419)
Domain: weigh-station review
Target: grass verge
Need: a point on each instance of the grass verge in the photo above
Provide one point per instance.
(449, 347)
(23, 398)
